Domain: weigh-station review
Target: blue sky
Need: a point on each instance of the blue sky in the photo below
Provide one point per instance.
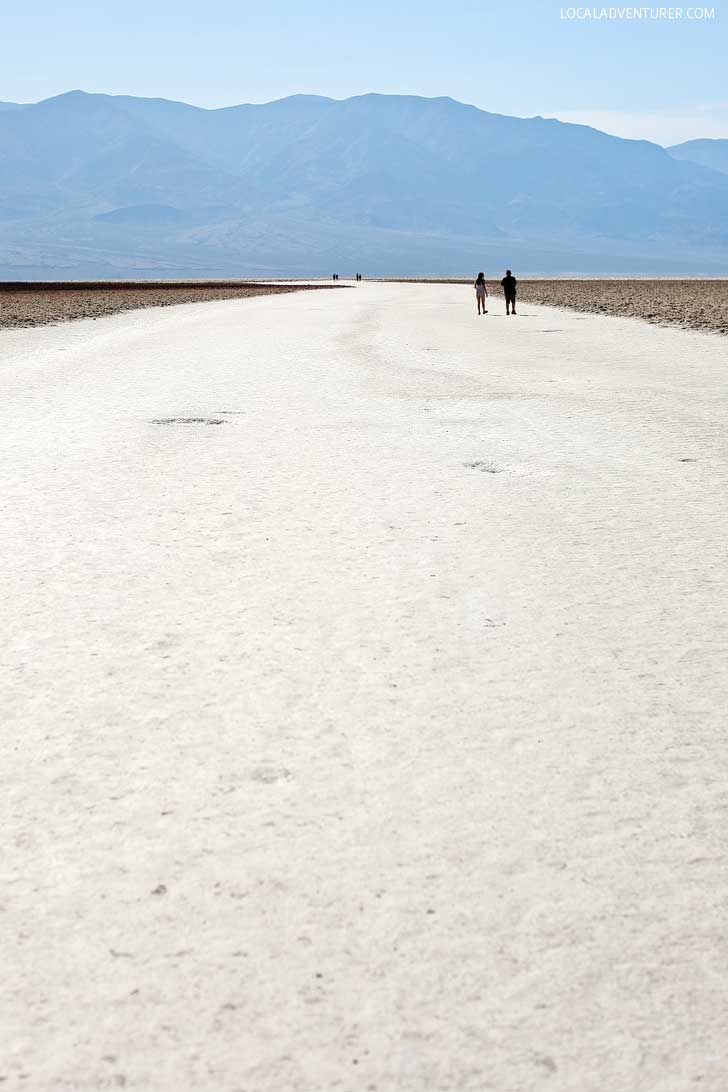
(660, 79)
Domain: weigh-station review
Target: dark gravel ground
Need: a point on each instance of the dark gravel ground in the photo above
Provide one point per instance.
(26, 303)
(695, 304)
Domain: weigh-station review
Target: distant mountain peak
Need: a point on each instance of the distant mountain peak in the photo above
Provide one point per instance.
(391, 183)
(707, 151)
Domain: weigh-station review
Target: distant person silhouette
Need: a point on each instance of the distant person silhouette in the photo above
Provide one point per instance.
(481, 293)
(508, 284)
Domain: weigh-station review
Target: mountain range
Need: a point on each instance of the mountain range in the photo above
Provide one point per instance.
(708, 153)
(101, 185)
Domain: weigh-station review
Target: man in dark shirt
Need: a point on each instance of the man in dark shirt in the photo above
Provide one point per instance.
(508, 284)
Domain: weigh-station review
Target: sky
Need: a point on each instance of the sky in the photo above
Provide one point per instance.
(661, 79)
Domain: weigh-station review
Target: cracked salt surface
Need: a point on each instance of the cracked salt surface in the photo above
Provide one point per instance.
(488, 466)
(187, 421)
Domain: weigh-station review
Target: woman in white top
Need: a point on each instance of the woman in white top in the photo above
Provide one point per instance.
(481, 293)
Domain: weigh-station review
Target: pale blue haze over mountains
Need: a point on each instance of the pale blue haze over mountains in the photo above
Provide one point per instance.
(656, 79)
(710, 153)
(98, 185)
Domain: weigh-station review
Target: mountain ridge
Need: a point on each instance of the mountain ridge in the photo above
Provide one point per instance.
(707, 152)
(306, 183)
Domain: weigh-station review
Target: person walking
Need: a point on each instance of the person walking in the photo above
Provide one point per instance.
(508, 284)
(481, 293)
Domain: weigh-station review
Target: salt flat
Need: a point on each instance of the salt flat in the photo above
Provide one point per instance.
(374, 736)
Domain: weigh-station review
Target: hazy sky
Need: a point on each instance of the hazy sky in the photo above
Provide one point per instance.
(660, 79)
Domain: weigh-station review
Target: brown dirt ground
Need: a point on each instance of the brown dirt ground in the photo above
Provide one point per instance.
(693, 304)
(27, 303)
(698, 305)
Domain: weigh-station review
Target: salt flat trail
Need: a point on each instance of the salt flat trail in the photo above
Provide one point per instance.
(373, 738)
